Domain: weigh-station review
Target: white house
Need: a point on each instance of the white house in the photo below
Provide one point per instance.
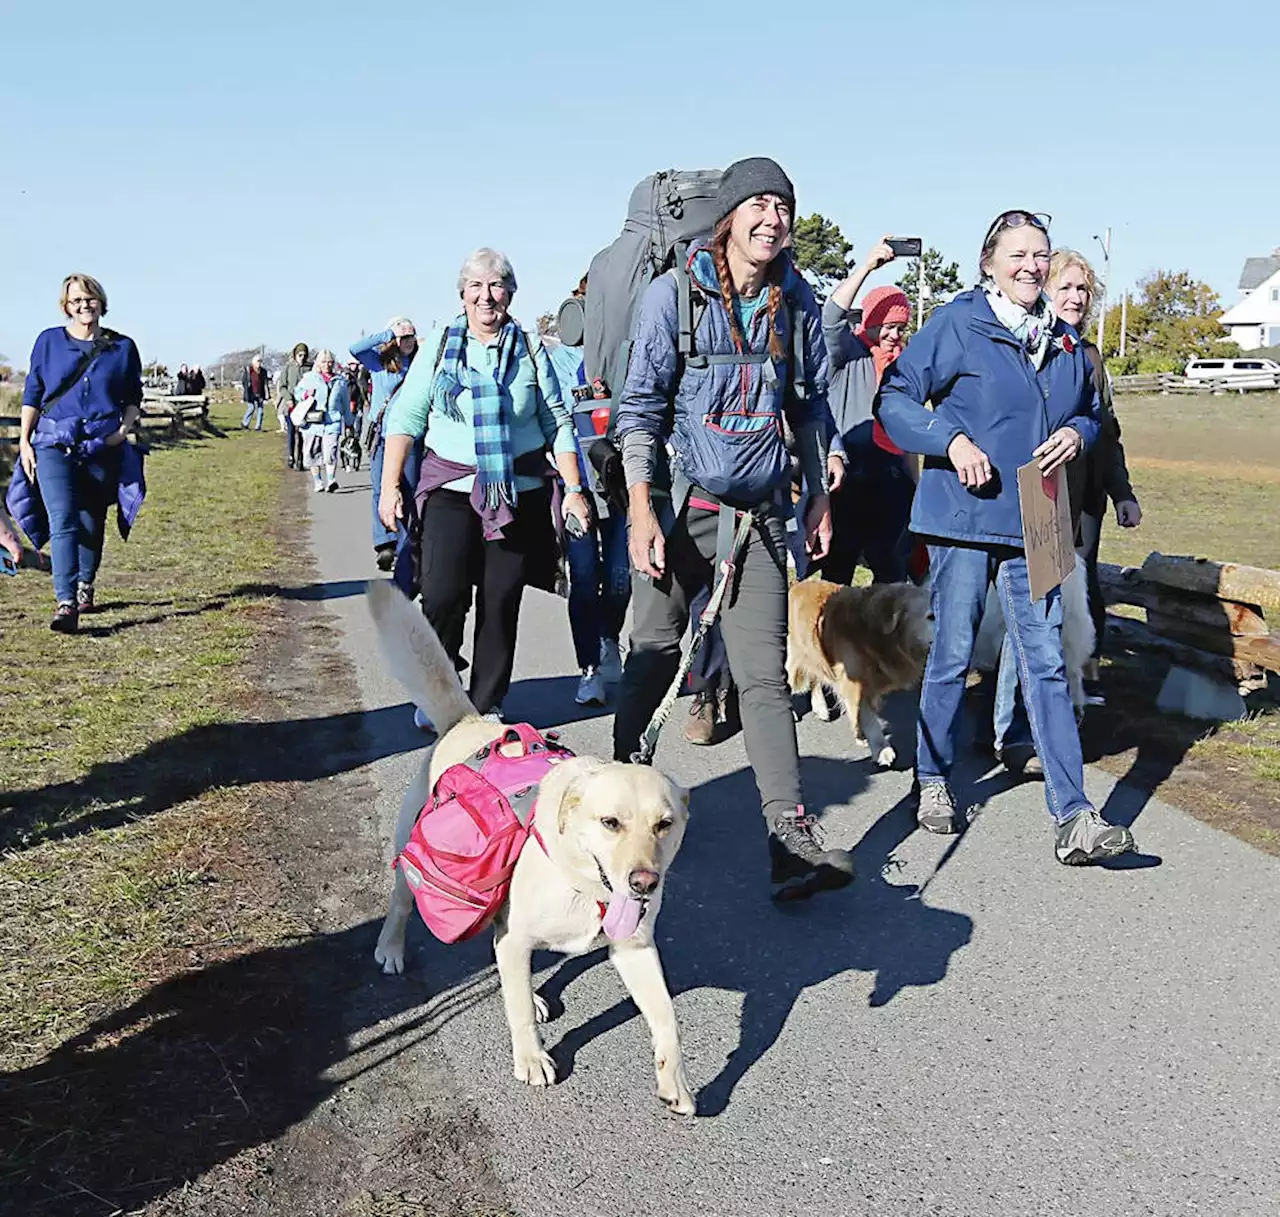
(1255, 321)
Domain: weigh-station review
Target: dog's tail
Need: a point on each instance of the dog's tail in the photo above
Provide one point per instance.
(417, 657)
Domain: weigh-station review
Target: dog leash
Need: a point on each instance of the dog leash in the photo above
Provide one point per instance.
(649, 740)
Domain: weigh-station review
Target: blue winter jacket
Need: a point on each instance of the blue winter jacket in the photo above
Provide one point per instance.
(981, 384)
(384, 383)
(725, 432)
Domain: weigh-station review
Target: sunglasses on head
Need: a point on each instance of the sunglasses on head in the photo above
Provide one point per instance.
(1017, 219)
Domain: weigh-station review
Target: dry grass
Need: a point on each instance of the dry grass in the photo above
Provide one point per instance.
(1207, 472)
(107, 885)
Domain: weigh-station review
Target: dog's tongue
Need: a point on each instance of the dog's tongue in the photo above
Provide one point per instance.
(622, 917)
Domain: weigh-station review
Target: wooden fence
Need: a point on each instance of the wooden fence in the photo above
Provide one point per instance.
(1211, 616)
(1171, 383)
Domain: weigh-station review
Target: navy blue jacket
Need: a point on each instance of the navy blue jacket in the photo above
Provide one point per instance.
(981, 384)
(99, 397)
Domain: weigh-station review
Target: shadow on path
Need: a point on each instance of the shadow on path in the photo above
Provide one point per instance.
(213, 1062)
(719, 929)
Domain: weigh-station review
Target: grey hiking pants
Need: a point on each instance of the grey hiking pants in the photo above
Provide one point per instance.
(753, 621)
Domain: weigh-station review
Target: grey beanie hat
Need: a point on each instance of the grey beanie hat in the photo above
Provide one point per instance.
(745, 179)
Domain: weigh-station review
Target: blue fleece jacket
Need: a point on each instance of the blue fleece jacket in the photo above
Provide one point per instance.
(92, 408)
(981, 384)
(384, 383)
(726, 435)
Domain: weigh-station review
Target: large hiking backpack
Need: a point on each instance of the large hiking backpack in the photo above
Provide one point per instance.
(463, 850)
(666, 213)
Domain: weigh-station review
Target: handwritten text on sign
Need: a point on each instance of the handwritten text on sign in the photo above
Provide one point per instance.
(1046, 528)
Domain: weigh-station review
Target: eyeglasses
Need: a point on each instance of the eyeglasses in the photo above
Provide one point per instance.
(77, 301)
(1017, 219)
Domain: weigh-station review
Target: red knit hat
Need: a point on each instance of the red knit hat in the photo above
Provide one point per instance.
(885, 306)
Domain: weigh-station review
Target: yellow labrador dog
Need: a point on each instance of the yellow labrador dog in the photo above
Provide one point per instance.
(610, 832)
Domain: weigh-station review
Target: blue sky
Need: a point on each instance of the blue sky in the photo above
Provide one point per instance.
(241, 173)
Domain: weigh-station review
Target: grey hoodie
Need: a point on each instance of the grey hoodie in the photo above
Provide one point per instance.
(852, 387)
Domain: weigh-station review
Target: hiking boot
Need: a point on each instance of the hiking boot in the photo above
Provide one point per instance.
(1087, 837)
(590, 688)
(1021, 761)
(84, 598)
(799, 862)
(610, 661)
(386, 556)
(700, 728)
(937, 809)
(66, 619)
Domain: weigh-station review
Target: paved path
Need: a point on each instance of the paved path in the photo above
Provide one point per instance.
(1017, 1038)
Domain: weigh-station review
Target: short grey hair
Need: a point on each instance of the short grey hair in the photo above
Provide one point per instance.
(487, 261)
(320, 354)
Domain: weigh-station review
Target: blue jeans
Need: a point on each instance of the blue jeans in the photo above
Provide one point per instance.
(77, 494)
(960, 580)
(408, 484)
(250, 409)
(599, 587)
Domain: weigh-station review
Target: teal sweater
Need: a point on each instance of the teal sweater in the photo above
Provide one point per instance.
(536, 413)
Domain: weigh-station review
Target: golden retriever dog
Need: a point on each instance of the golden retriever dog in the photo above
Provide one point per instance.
(863, 642)
(611, 831)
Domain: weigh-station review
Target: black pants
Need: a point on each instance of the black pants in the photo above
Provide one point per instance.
(457, 558)
(869, 515)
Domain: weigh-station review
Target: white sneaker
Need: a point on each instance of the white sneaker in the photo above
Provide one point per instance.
(590, 688)
(610, 661)
(318, 487)
(422, 722)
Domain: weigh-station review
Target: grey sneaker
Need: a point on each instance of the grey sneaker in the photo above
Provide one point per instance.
(937, 809)
(800, 863)
(1087, 837)
(610, 661)
(591, 688)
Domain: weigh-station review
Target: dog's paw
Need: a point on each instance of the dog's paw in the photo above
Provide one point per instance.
(886, 758)
(391, 957)
(534, 1067)
(821, 707)
(541, 1011)
(674, 1091)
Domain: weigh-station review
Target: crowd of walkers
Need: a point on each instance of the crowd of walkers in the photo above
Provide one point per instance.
(849, 442)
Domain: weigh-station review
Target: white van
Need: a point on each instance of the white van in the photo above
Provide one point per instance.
(1216, 369)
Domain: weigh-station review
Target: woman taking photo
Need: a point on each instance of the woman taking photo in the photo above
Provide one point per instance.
(387, 354)
(1009, 384)
(489, 410)
(726, 434)
(323, 408)
(82, 397)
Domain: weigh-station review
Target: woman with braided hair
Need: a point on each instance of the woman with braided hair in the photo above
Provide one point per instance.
(702, 442)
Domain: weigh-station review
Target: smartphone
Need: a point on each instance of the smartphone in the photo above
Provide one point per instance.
(906, 247)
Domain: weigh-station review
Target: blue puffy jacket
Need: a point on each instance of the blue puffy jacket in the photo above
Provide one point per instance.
(981, 384)
(726, 431)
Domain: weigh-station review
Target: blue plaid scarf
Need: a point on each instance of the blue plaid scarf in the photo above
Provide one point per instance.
(495, 473)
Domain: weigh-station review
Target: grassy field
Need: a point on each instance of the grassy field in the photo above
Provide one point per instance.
(111, 870)
(1207, 473)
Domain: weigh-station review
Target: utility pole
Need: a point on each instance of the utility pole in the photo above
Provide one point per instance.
(1106, 277)
(920, 291)
(1124, 320)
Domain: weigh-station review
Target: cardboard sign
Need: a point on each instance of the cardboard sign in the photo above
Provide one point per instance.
(1046, 528)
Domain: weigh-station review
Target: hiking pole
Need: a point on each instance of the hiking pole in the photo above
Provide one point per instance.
(649, 740)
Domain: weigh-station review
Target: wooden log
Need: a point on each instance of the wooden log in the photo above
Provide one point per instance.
(1135, 635)
(1125, 585)
(1263, 651)
(1224, 580)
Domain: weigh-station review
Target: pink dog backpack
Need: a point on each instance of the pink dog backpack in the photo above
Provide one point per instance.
(463, 849)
